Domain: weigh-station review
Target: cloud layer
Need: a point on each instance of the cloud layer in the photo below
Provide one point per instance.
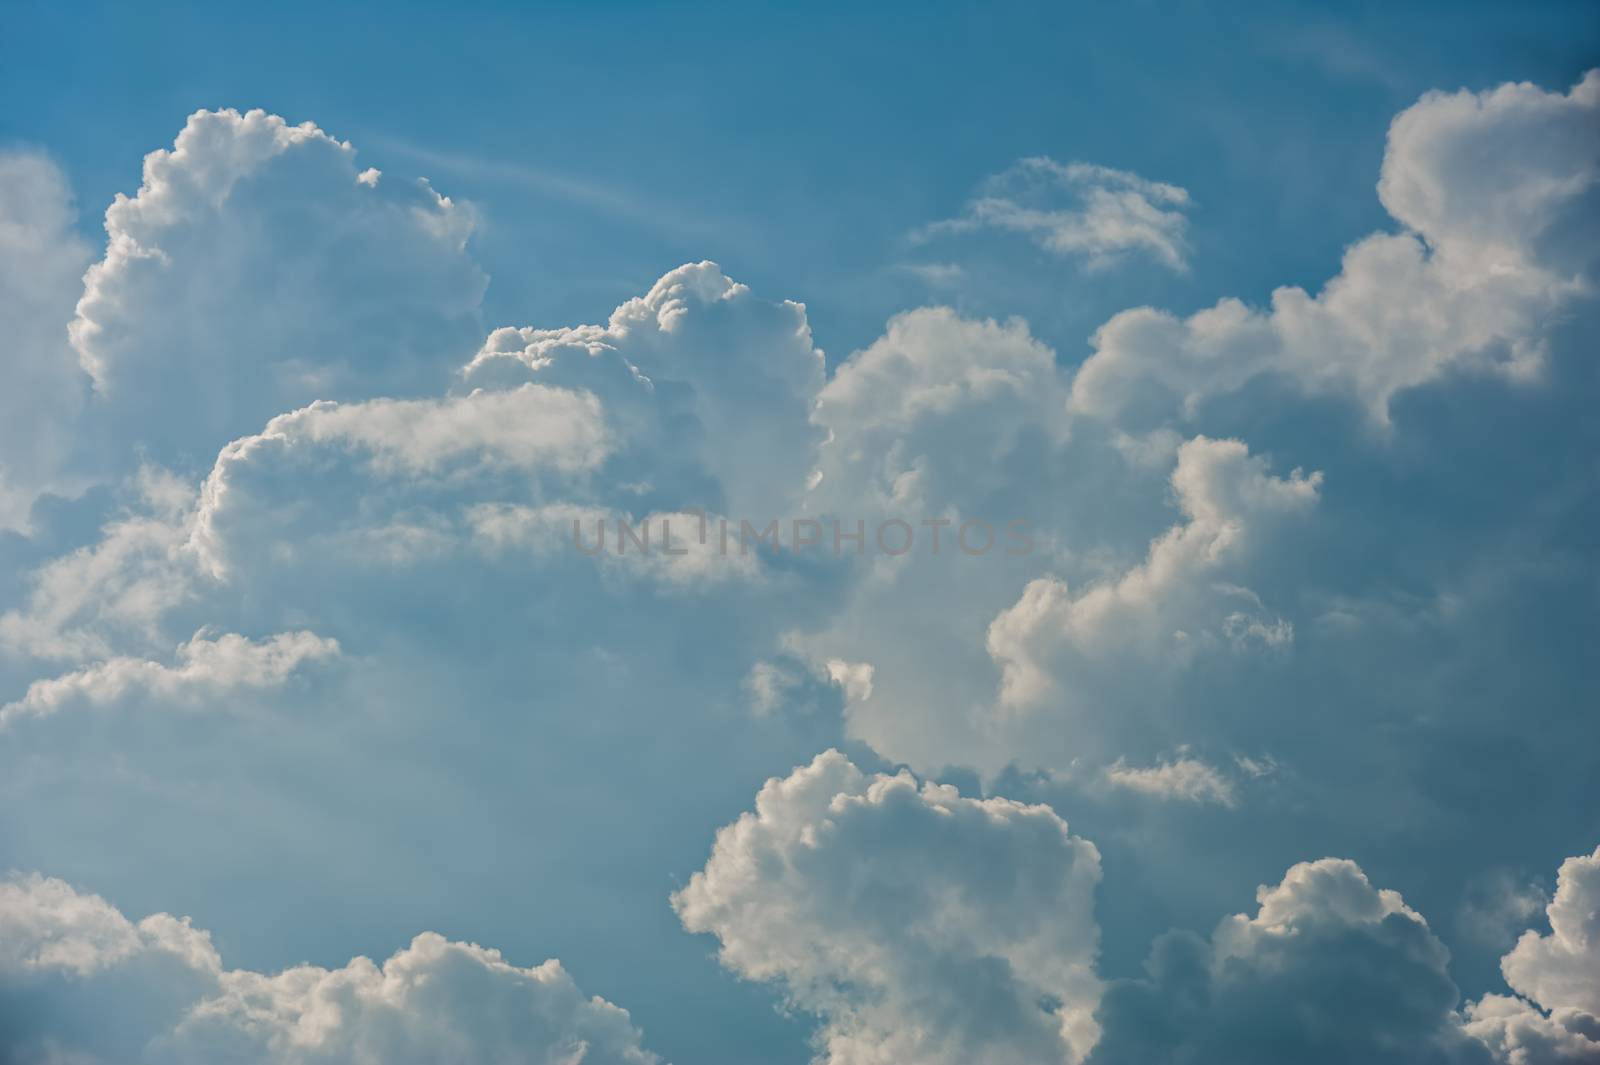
(297, 597)
(432, 1001)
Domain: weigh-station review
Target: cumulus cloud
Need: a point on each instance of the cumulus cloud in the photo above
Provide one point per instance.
(936, 389)
(919, 924)
(1053, 645)
(1328, 969)
(206, 667)
(185, 325)
(1563, 968)
(416, 500)
(430, 535)
(435, 1000)
(1557, 1017)
(1519, 1033)
(1096, 214)
(524, 430)
(700, 376)
(1497, 192)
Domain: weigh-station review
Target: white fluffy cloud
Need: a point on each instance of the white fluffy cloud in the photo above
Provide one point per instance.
(1498, 194)
(1070, 654)
(932, 407)
(206, 668)
(1097, 214)
(699, 376)
(1519, 1033)
(919, 924)
(416, 502)
(1328, 969)
(257, 269)
(1563, 968)
(433, 1001)
(524, 431)
(1557, 1019)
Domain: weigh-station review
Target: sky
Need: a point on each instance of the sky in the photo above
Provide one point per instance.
(431, 447)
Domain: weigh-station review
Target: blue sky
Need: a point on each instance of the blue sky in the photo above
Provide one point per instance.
(1271, 327)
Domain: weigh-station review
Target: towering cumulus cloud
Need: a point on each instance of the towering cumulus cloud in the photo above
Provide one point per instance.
(257, 269)
(920, 925)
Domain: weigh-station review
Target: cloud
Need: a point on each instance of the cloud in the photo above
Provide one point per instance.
(430, 536)
(1519, 1033)
(183, 324)
(1557, 1019)
(415, 504)
(1497, 192)
(700, 377)
(1563, 968)
(920, 925)
(1328, 969)
(1182, 779)
(1096, 214)
(41, 262)
(206, 668)
(525, 430)
(1055, 647)
(115, 591)
(157, 989)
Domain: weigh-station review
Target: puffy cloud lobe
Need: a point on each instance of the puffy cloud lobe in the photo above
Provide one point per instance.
(525, 430)
(948, 418)
(1519, 1033)
(919, 924)
(434, 1001)
(709, 386)
(1508, 175)
(206, 669)
(1563, 968)
(932, 407)
(1053, 646)
(1328, 969)
(41, 263)
(954, 420)
(185, 325)
(1094, 213)
(1498, 191)
(49, 926)
(1558, 975)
